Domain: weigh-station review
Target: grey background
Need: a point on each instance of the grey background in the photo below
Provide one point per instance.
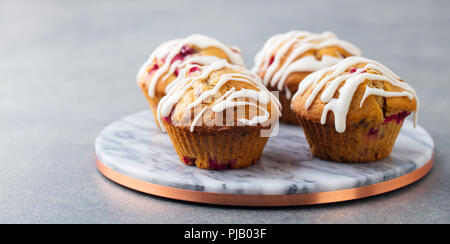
(67, 69)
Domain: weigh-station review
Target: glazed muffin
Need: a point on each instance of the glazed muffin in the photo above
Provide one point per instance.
(353, 111)
(218, 116)
(166, 62)
(286, 59)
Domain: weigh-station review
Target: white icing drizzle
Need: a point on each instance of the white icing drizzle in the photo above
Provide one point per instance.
(229, 99)
(300, 42)
(197, 118)
(331, 82)
(169, 50)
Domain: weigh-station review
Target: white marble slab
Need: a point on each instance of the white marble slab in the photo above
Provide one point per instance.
(135, 147)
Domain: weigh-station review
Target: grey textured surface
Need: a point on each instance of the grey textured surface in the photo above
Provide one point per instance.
(67, 70)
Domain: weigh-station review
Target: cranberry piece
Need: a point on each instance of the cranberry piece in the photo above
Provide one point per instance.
(232, 164)
(168, 119)
(194, 69)
(155, 67)
(373, 133)
(213, 164)
(176, 58)
(176, 72)
(353, 70)
(271, 60)
(188, 160)
(397, 117)
(185, 51)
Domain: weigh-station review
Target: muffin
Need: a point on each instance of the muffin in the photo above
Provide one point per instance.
(218, 116)
(353, 111)
(165, 63)
(286, 59)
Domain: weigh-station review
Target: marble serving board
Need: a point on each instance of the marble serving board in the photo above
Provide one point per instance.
(134, 146)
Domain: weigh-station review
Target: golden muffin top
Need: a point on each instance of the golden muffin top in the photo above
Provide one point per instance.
(166, 61)
(287, 58)
(354, 89)
(218, 96)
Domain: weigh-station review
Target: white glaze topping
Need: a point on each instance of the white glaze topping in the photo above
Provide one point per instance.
(300, 42)
(330, 79)
(169, 51)
(231, 98)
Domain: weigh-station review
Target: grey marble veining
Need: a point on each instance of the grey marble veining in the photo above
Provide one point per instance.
(134, 146)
